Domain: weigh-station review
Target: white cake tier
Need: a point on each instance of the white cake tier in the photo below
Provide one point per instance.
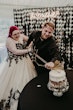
(57, 75)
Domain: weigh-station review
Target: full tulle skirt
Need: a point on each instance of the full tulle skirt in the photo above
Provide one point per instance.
(13, 79)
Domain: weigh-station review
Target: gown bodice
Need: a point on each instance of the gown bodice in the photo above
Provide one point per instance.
(12, 56)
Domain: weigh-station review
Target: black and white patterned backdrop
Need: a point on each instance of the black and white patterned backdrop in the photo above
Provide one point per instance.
(32, 19)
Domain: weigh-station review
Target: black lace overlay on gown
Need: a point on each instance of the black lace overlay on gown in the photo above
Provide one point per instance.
(12, 56)
(5, 104)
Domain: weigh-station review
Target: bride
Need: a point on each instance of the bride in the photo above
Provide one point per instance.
(18, 69)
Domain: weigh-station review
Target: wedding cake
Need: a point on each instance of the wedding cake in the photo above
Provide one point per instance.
(58, 82)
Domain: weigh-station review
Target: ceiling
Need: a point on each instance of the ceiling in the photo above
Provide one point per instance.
(36, 3)
(7, 6)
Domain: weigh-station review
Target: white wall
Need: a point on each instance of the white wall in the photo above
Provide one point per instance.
(6, 11)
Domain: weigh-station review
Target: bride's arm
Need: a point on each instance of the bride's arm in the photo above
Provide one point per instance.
(10, 44)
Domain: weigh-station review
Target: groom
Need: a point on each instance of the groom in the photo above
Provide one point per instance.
(45, 44)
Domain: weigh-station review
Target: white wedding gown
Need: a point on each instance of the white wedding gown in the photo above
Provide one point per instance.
(18, 70)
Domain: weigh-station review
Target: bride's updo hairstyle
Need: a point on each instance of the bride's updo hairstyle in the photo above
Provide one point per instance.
(12, 28)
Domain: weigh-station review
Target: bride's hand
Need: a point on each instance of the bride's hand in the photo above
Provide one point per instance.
(29, 49)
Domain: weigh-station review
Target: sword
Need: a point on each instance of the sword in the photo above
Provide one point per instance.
(40, 58)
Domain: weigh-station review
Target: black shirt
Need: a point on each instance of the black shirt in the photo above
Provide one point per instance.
(47, 49)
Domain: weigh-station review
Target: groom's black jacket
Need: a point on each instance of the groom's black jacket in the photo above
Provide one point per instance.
(47, 49)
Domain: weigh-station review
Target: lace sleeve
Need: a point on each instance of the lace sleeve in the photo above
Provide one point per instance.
(10, 44)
